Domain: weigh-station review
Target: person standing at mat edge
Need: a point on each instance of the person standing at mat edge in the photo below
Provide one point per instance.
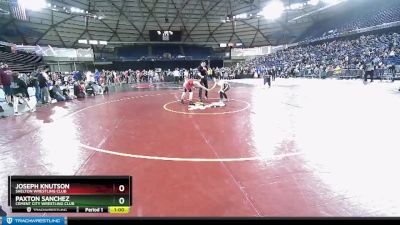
(203, 69)
(176, 75)
(20, 91)
(1, 89)
(43, 78)
(5, 81)
(369, 71)
(267, 78)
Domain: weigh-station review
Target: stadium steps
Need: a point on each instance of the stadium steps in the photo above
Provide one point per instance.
(22, 63)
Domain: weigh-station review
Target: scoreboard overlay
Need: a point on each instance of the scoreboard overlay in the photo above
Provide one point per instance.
(70, 194)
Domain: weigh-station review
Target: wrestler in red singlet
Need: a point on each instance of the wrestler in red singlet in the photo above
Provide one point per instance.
(189, 84)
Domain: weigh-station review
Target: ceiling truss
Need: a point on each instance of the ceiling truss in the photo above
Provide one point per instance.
(130, 20)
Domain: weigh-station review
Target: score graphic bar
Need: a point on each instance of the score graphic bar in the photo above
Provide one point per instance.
(62, 194)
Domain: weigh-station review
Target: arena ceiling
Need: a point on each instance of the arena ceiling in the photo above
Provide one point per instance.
(129, 22)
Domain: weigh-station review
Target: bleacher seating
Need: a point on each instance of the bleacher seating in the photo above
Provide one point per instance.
(356, 15)
(159, 51)
(198, 52)
(392, 61)
(343, 58)
(19, 62)
(133, 52)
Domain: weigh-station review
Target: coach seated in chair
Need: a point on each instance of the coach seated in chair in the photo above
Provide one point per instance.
(79, 90)
(98, 89)
(90, 89)
(67, 94)
(56, 93)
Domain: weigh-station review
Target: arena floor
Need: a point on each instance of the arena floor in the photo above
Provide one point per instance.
(301, 148)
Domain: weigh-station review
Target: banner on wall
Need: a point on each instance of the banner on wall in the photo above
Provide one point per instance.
(59, 54)
(240, 53)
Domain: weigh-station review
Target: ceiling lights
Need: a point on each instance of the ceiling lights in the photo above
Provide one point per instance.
(313, 2)
(167, 32)
(92, 42)
(36, 5)
(273, 10)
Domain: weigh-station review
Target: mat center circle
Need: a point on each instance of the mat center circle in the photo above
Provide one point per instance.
(209, 107)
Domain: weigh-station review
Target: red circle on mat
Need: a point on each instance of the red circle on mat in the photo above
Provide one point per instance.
(233, 106)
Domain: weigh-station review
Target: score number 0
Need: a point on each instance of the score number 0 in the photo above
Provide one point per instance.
(121, 200)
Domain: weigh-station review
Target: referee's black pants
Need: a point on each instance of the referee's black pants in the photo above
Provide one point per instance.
(267, 79)
(203, 82)
(370, 74)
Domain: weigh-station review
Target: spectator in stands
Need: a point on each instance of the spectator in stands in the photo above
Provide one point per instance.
(79, 89)
(145, 75)
(186, 75)
(345, 54)
(150, 76)
(369, 71)
(35, 83)
(97, 75)
(267, 78)
(338, 70)
(1, 108)
(90, 77)
(1, 87)
(57, 93)
(77, 76)
(5, 81)
(131, 76)
(89, 89)
(210, 72)
(176, 75)
(274, 73)
(98, 89)
(67, 94)
(105, 90)
(138, 76)
(20, 91)
(43, 80)
(102, 79)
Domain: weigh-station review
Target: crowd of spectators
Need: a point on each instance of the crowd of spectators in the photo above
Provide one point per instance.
(49, 87)
(107, 77)
(329, 58)
(372, 54)
(355, 16)
(43, 87)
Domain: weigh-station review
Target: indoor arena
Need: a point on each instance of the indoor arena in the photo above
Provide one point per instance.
(199, 109)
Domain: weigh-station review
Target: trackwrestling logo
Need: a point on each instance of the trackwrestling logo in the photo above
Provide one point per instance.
(33, 220)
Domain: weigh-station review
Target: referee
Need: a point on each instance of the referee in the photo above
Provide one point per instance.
(203, 69)
(267, 77)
